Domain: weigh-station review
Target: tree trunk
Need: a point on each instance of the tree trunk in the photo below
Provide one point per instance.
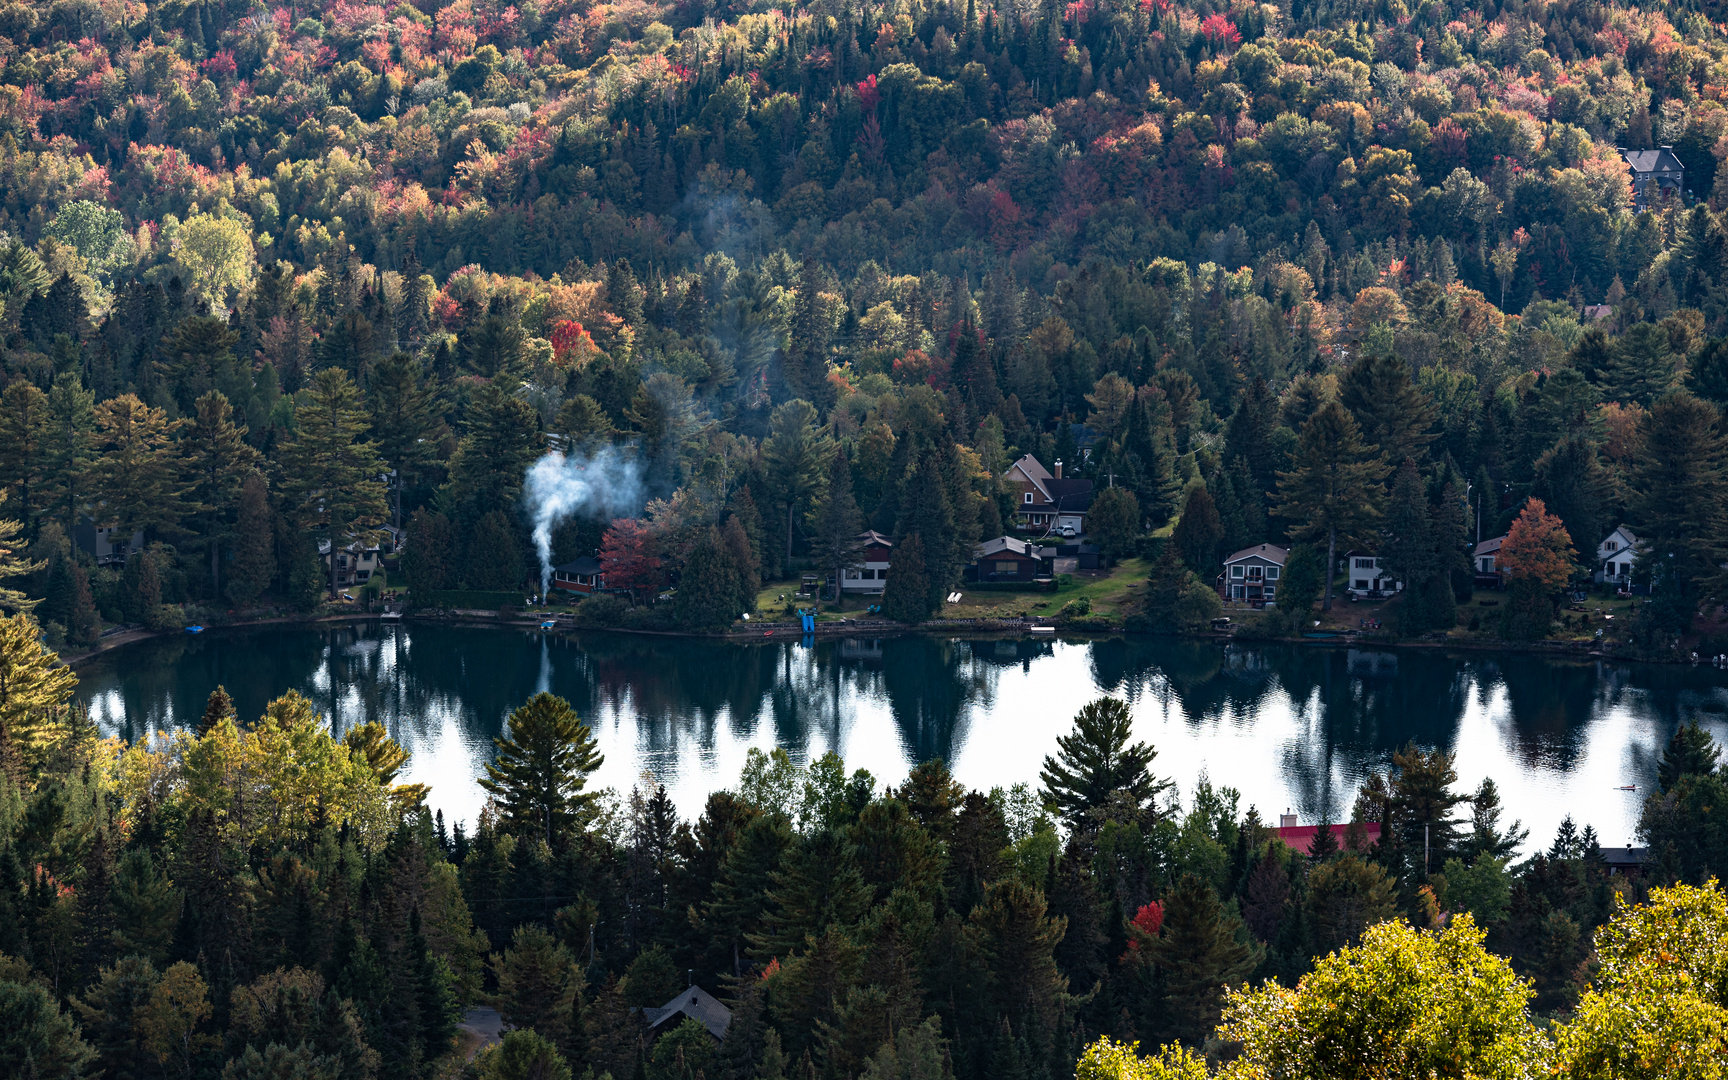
(1331, 560)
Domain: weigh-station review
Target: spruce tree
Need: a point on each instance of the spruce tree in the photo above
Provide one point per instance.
(1690, 752)
(1394, 413)
(1334, 488)
(1199, 956)
(836, 524)
(217, 462)
(1199, 532)
(906, 597)
(540, 771)
(330, 473)
(1680, 496)
(254, 547)
(25, 448)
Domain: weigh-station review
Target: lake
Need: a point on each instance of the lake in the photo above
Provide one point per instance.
(1291, 727)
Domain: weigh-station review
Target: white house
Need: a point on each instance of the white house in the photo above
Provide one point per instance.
(1486, 558)
(1366, 576)
(1615, 556)
(1252, 573)
(870, 576)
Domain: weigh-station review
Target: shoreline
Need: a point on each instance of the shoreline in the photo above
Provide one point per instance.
(776, 631)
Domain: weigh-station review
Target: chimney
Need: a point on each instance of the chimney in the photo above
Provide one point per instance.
(1058, 470)
(1286, 820)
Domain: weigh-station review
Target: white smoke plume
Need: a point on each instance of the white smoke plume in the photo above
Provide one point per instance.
(607, 484)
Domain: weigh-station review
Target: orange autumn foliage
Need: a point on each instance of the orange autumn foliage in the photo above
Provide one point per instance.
(1538, 548)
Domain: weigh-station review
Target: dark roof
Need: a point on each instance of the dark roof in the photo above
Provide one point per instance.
(1072, 496)
(1489, 547)
(1272, 553)
(585, 566)
(1625, 856)
(1661, 159)
(697, 1004)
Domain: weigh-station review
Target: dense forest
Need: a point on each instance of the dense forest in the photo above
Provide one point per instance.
(1327, 272)
(1332, 273)
(256, 899)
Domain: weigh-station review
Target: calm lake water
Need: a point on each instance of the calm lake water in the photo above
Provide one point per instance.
(1289, 726)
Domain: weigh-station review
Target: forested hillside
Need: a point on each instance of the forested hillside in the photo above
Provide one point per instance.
(1325, 273)
(259, 258)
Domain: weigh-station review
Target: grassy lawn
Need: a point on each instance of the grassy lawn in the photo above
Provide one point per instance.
(1110, 592)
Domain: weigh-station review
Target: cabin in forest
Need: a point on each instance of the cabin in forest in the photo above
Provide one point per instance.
(1656, 175)
(1615, 556)
(1046, 503)
(581, 576)
(694, 1004)
(870, 575)
(1007, 559)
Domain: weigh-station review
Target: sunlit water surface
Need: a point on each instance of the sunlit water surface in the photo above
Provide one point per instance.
(1290, 727)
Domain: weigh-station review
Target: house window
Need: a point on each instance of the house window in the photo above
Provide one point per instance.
(1610, 546)
(1487, 564)
(1271, 573)
(1359, 585)
(1236, 571)
(1028, 498)
(1008, 567)
(1271, 592)
(1364, 564)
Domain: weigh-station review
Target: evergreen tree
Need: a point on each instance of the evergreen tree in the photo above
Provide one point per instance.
(1487, 839)
(1680, 497)
(403, 409)
(219, 707)
(487, 472)
(216, 463)
(711, 588)
(1641, 366)
(71, 432)
(1199, 532)
(836, 524)
(1409, 550)
(1393, 413)
(254, 542)
(25, 448)
(1200, 956)
(1113, 521)
(907, 596)
(330, 473)
(797, 455)
(1096, 762)
(1690, 752)
(541, 768)
(1334, 489)
(1300, 584)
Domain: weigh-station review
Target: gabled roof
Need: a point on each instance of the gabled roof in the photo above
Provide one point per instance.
(1024, 548)
(1272, 553)
(1029, 467)
(1301, 837)
(1624, 533)
(586, 565)
(1661, 159)
(697, 1004)
(873, 538)
(1489, 547)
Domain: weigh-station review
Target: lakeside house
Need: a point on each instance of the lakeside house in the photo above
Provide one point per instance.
(1615, 556)
(870, 575)
(1045, 502)
(357, 562)
(109, 547)
(1486, 559)
(1366, 577)
(581, 576)
(1252, 574)
(1008, 559)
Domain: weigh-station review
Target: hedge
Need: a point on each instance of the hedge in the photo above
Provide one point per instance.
(471, 599)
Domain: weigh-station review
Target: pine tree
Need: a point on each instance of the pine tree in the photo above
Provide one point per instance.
(1113, 520)
(254, 543)
(1680, 495)
(836, 524)
(331, 474)
(1487, 839)
(797, 455)
(134, 484)
(1394, 413)
(218, 707)
(25, 448)
(71, 431)
(1199, 955)
(1096, 762)
(711, 587)
(1334, 489)
(32, 686)
(1199, 532)
(1691, 751)
(403, 410)
(907, 597)
(216, 463)
(541, 768)
(1409, 550)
